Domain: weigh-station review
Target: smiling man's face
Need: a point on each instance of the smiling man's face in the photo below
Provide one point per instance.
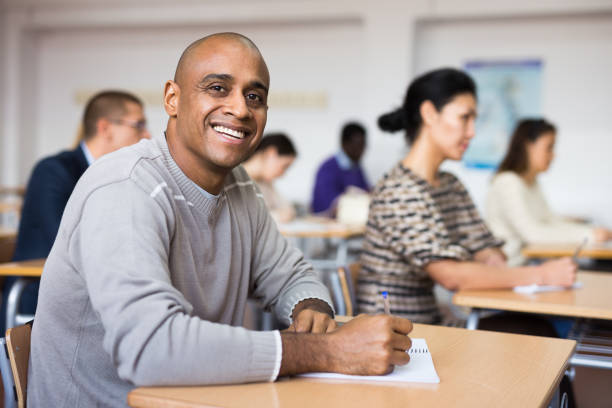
(219, 106)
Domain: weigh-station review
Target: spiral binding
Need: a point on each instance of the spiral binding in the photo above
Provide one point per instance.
(418, 351)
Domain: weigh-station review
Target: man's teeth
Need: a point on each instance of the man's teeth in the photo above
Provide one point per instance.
(230, 132)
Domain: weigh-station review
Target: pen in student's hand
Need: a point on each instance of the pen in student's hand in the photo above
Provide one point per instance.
(578, 249)
(385, 296)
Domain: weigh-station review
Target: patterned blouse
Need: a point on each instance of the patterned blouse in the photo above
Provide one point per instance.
(410, 224)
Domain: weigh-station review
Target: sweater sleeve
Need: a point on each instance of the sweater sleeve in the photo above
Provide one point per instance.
(520, 210)
(120, 248)
(281, 277)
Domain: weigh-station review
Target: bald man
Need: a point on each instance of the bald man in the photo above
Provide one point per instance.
(161, 245)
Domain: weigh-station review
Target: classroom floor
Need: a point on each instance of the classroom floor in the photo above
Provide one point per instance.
(593, 388)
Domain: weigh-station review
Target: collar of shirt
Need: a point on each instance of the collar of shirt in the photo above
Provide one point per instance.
(344, 161)
(204, 192)
(90, 159)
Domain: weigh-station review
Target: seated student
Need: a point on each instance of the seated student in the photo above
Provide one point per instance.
(161, 244)
(271, 159)
(341, 171)
(423, 227)
(516, 209)
(111, 120)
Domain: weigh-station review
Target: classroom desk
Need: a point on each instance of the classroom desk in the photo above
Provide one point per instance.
(593, 251)
(592, 301)
(8, 233)
(476, 368)
(25, 271)
(325, 228)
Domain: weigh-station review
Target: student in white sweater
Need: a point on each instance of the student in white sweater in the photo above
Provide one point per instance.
(516, 209)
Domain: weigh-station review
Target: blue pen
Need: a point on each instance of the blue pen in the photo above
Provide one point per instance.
(578, 249)
(385, 296)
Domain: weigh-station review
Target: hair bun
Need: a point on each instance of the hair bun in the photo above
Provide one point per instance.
(392, 121)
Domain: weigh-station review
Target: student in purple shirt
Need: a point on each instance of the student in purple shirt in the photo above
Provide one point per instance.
(341, 170)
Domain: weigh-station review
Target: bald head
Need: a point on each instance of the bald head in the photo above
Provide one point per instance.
(217, 106)
(210, 40)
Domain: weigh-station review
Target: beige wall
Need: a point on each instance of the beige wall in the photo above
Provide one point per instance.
(352, 58)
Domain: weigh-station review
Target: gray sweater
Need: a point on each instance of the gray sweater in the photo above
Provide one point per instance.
(147, 283)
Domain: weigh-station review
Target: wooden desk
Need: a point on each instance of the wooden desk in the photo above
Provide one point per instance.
(476, 368)
(8, 233)
(31, 268)
(26, 271)
(319, 227)
(591, 301)
(593, 251)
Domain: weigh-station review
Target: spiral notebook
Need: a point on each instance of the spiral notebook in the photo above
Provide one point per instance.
(419, 369)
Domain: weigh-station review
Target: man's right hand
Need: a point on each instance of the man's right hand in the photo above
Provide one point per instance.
(366, 345)
(560, 271)
(370, 345)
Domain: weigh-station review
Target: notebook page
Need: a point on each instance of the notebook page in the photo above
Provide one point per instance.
(419, 369)
(545, 288)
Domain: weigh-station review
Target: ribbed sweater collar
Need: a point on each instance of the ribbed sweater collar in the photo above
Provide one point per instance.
(208, 205)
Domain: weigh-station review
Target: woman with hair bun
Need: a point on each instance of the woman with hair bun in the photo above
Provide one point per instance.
(517, 210)
(423, 227)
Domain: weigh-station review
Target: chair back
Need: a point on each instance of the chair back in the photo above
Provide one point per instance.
(347, 277)
(9, 398)
(18, 346)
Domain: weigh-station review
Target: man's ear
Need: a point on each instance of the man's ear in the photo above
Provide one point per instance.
(171, 98)
(103, 128)
(428, 112)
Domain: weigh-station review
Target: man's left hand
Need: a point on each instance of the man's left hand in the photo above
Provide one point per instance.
(312, 316)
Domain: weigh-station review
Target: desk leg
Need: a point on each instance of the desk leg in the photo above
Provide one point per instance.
(593, 361)
(267, 321)
(336, 292)
(342, 254)
(559, 400)
(12, 303)
(473, 318)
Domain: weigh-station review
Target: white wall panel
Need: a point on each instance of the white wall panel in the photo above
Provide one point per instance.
(320, 58)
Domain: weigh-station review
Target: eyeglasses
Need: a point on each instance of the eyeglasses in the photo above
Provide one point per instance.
(140, 125)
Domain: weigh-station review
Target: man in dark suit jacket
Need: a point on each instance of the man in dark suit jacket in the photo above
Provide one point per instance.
(112, 119)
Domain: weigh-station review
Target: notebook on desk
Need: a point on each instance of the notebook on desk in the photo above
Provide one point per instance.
(545, 288)
(420, 369)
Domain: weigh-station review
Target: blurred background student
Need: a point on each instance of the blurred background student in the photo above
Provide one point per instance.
(111, 120)
(516, 209)
(339, 173)
(270, 161)
(423, 227)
